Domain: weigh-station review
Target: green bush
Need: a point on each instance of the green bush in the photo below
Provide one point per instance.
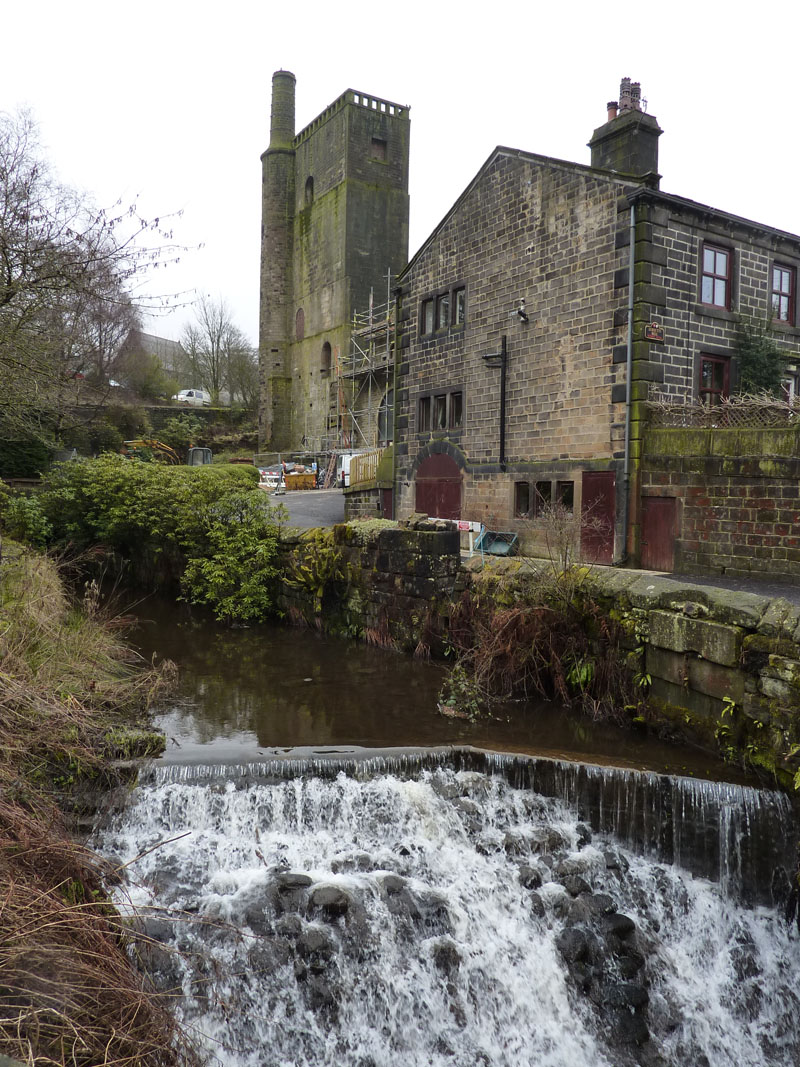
(23, 519)
(181, 432)
(131, 421)
(237, 577)
(210, 527)
(104, 437)
(23, 459)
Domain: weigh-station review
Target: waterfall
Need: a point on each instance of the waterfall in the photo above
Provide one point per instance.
(449, 908)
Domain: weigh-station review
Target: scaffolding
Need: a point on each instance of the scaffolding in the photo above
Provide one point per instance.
(360, 411)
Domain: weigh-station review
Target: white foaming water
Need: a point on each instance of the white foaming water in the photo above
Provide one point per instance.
(413, 938)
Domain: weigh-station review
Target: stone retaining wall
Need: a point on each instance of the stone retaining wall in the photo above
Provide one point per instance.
(723, 666)
(387, 584)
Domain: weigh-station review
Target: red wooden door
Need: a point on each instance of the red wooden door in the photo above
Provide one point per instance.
(598, 516)
(658, 533)
(438, 487)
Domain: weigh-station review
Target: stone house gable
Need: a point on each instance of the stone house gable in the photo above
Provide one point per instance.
(529, 234)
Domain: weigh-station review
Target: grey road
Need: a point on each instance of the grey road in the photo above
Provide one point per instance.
(312, 507)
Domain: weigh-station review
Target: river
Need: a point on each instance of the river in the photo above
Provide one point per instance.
(326, 871)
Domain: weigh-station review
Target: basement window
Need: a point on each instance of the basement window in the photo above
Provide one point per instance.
(542, 497)
(522, 500)
(565, 495)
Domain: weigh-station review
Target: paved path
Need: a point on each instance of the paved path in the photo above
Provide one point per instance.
(312, 507)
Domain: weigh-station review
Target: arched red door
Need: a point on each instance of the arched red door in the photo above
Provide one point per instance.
(438, 487)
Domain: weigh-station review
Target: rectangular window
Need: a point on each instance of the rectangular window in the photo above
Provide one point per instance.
(716, 279)
(378, 149)
(783, 290)
(443, 311)
(424, 420)
(714, 375)
(440, 412)
(565, 494)
(522, 499)
(542, 496)
(459, 306)
(426, 317)
(456, 411)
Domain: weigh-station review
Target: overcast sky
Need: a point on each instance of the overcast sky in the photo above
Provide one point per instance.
(169, 102)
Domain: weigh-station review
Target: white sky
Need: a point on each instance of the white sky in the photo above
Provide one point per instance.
(170, 101)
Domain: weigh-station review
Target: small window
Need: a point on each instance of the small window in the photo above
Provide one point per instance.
(300, 324)
(714, 379)
(443, 311)
(386, 417)
(789, 384)
(783, 289)
(459, 306)
(424, 420)
(565, 494)
(378, 149)
(542, 496)
(522, 499)
(309, 194)
(456, 410)
(426, 317)
(716, 280)
(325, 357)
(440, 412)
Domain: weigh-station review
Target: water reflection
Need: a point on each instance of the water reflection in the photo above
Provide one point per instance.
(248, 690)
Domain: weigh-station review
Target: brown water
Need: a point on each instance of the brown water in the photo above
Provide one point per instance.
(245, 693)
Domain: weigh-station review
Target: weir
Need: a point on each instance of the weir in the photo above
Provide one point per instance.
(453, 908)
(737, 835)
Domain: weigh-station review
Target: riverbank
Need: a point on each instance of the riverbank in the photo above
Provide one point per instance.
(73, 709)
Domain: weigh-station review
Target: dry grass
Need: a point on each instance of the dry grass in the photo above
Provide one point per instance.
(548, 645)
(71, 699)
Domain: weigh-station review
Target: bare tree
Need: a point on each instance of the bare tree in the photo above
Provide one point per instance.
(65, 271)
(218, 351)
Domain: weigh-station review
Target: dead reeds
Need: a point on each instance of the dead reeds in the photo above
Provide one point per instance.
(71, 701)
(547, 645)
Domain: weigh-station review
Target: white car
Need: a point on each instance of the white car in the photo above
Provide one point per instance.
(192, 396)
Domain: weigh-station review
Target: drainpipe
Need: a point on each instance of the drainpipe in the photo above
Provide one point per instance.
(628, 375)
(397, 292)
(500, 359)
(503, 364)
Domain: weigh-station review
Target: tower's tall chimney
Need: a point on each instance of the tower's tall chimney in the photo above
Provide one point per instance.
(281, 129)
(277, 221)
(628, 142)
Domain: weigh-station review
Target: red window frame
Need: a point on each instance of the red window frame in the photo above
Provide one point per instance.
(715, 276)
(714, 388)
(782, 292)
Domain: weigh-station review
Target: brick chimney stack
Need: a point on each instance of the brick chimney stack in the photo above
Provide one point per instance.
(628, 142)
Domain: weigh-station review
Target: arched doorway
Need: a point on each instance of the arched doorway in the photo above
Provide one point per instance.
(438, 487)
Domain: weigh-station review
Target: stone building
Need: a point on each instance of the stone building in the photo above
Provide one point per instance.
(525, 357)
(334, 229)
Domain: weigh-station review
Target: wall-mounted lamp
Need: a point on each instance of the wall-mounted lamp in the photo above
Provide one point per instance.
(520, 313)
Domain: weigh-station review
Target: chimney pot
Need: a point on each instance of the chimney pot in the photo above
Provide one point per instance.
(625, 94)
(612, 109)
